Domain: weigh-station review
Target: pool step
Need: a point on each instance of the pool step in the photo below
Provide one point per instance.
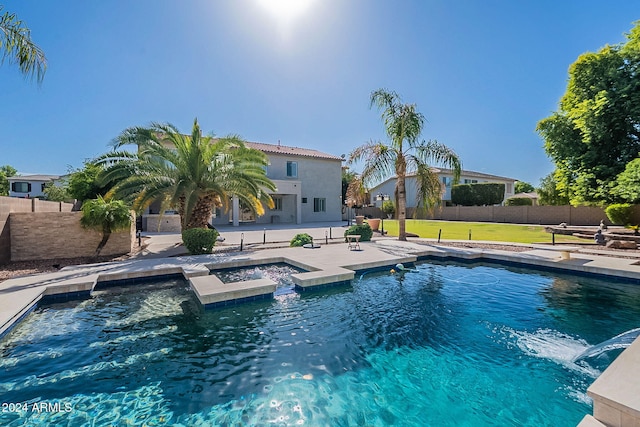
(589, 421)
(212, 292)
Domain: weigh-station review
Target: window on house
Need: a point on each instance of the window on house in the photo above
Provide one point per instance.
(21, 187)
(277, 204)
(447, 180)
(470, 181)
(292, 169)
(319, 204)
(304, 200)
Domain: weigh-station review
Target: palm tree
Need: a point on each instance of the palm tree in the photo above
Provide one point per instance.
(16, 46)
(192, 173)
(106, 217)
(404, 154)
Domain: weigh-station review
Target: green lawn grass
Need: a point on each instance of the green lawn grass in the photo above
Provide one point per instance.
(456, 230)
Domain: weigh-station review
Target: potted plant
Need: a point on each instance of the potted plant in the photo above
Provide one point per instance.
(388, 208)
(374, 223)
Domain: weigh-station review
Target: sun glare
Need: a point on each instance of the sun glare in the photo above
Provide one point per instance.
(285, 11)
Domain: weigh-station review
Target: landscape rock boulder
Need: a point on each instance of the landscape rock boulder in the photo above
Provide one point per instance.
(621, 244)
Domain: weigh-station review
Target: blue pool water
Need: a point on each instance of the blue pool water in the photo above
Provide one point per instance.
(446, 345)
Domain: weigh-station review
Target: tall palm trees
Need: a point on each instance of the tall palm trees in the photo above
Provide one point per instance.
(404, 154)
(16, 46)
(192, 173)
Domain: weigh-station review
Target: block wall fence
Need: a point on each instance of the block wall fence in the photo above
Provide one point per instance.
(38, 229)
(542, 215)
(47, 235)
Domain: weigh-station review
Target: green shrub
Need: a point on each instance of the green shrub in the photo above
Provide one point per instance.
(486, 193)
(518, 201)
(199, 240)
(388, 207)
(301, 240)
(620, 214)
(363, 230)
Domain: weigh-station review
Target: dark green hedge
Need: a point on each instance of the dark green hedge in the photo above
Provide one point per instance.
(363, 230)
(620, 214)
(199, 240)
(489, 193)
(518, 201)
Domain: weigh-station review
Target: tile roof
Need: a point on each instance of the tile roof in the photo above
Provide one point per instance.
(530, 195)
(291, 151)
(471, 174)
(463, 174)
(33, 177)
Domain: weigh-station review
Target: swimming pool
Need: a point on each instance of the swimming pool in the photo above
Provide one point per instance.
(449, 344)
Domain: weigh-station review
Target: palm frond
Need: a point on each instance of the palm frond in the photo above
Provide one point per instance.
(433, 152)
(429, 190)
(187, 171)
(379, 161)
(16, 46)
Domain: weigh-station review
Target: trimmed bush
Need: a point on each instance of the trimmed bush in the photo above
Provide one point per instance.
(388, 207)
(301, 240)
(363, 230)
(620, 214)
(483, 194)
(199, 240)
(518, 201)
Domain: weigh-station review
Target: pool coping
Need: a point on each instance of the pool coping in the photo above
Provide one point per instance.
(612, 392)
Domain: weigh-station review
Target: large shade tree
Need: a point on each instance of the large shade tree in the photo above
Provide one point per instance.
(548, 192)
(6, 172)
(16, 47)
(627, 187)
(84, 183)
(596, 130)
(405, 153)
(190, 173)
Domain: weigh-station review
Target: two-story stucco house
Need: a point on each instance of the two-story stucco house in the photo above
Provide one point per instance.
(308, 189)
(308, 185)
(29, 185)
(387, 188)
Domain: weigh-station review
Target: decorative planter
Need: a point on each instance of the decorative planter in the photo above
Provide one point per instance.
(374, 223)
(359, 219)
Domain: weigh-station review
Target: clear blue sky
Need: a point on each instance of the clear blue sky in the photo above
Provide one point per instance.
(482, 72)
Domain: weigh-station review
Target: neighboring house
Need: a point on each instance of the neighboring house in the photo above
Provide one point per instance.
(309, 188)
(387, 188)
(29, 185)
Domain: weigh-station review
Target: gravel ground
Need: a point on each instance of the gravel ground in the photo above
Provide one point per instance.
(497, 246)
(26, 268)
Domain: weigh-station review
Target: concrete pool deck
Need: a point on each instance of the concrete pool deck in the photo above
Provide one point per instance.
(615, 393)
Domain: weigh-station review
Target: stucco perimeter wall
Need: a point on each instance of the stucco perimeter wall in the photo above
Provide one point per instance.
(13, 204)
(48, 235)
(546, 215)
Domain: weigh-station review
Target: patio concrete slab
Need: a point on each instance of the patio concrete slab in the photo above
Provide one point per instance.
(589, 421)
(210, 290)
(616, 392)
